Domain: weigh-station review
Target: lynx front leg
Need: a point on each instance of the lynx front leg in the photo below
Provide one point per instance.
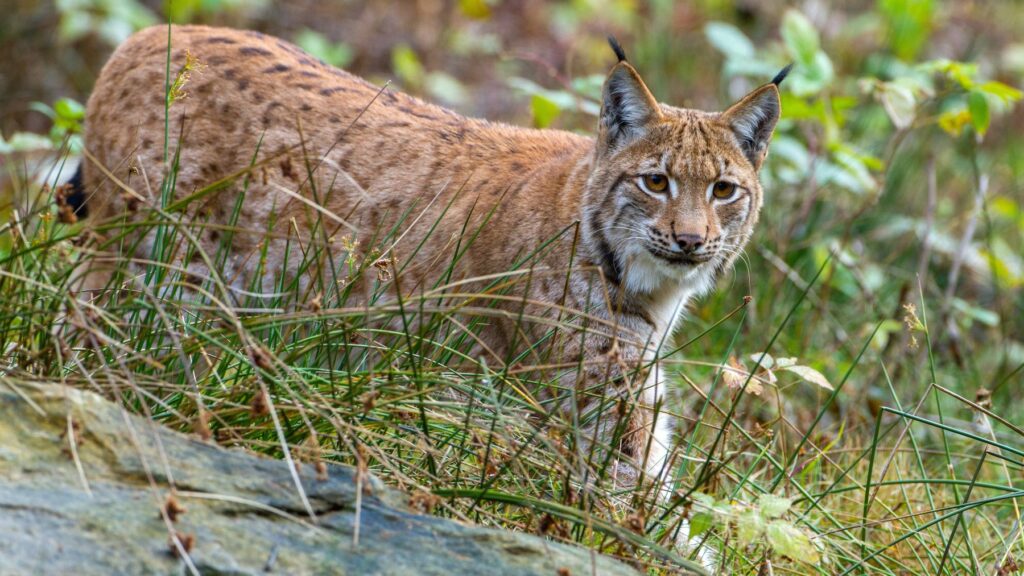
(625, 428)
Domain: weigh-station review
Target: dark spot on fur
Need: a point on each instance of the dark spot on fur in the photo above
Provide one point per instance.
(307, 87)
(286, 168)
(216, 60)
(243, 84)
(219, 40)
(230, 73)
(268, 118)
(214, 235)
(412, 112)
(257, 97)
(124, 93)
(277, 68)
(334, 118)
(309, 74)
(332, 90)
(517, 166)
(306, 108)
(288, 47)
(254, 51)
(147, 143)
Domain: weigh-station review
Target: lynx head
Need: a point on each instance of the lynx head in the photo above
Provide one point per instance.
(674, 193)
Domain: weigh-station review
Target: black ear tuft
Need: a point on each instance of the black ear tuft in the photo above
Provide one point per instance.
(782, 74)
(617, 48)
(76, 195)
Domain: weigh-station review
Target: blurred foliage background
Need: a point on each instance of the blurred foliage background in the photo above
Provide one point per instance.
(894, 184)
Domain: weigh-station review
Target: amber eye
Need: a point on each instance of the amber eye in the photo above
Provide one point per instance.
(723, 189)
(656, 182)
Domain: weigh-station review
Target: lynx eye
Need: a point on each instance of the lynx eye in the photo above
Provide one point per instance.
(723, 190)
(656, 182)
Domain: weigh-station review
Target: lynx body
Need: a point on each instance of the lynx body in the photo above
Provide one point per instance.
(630, 224)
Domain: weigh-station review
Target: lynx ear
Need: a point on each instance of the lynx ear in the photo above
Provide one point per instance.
(753, 119)
(627, 108)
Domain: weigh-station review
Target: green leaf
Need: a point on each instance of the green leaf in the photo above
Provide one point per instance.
(729, 40)
(69, 109)
(43, 108)
(74, 24)
(999, 90)
(544, 111)
(703, 499)
(909, 24)
(977, 105)
(700, 523)
(334, 53)
(791, 542)
(977, 313)
(812, 77)
(773, 506)
(962, 73)
(800, 36)
(25, 142)
(446, 88)
(749, 527)
(407, 65)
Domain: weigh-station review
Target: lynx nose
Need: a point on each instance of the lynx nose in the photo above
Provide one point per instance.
(689, 242)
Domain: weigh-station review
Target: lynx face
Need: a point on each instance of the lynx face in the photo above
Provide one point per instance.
(674, 195)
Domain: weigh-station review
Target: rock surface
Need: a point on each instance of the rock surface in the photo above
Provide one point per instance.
(243, 511)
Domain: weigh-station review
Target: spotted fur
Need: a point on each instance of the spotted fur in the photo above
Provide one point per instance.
(329, 146)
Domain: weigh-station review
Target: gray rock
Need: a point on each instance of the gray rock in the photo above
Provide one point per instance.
(243, 510)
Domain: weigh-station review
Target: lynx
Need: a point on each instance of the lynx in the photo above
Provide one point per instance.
(634, 223)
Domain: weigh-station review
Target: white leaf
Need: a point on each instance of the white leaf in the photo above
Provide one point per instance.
(899, 104)
(767, 362)
(811, 375)
(785, 362)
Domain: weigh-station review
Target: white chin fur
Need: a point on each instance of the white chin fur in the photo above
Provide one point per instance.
(643, 273)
